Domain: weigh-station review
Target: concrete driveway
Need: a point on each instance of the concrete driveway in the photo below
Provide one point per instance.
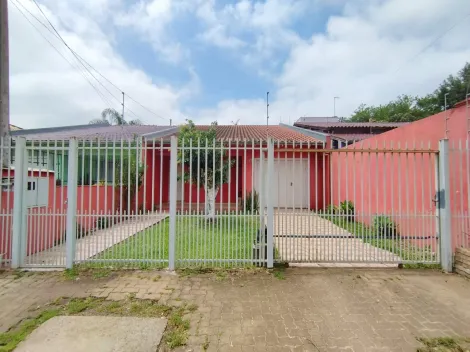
(303, 237)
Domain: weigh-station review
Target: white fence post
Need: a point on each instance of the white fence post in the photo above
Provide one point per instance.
(19, 225)
(71, 226)
(269, 203)
(173, 195)
(445, 229)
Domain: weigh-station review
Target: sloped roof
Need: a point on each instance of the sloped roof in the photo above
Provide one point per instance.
(351, 124)
(14, 128)
(259, 132)
(107, 132)
(351, 137)
(90, 132)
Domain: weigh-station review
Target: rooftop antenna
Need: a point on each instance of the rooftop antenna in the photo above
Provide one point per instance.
(334, 107)
(267, 114)
(267, 108)
(236, 122)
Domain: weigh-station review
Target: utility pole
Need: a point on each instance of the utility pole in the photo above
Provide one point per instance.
(4, 82)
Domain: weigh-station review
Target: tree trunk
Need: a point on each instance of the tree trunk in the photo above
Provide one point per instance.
(210, 203)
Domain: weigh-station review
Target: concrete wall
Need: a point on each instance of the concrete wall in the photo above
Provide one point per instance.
(404, 184)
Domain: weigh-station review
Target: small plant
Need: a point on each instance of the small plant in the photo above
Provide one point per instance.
(385, 227)
(251, 203)
(205, 345)
(71, 274)
(279, 274)
(103, 222)
(346, 208)
(331, 210)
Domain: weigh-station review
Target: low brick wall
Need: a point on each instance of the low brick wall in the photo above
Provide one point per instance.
(462, 262)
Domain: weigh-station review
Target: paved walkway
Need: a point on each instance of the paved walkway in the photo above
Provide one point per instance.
(310, 310)
(97, 242)
(306, 237)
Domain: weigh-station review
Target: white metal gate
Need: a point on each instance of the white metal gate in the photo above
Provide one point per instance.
(366, 205)
(161, 202)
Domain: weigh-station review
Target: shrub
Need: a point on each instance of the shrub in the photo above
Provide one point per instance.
(385, 227)
(103, 222)
(251, 203)
(347, 208)
(332, 210)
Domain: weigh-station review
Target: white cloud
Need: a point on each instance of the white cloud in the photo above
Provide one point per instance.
(151, 19)
(367, 55)
(267, 21)
(47, 91)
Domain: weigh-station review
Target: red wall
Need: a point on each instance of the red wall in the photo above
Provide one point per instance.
(157, 176)
(46, 224)
(377, 177)
(229, 193)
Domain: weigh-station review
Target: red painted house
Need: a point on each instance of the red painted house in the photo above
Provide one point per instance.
(296, 169)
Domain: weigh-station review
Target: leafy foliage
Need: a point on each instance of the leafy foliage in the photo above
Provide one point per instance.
(113, 117)
(408, 108)
(347, 208)
(385, 227)
(213, 163)
(129, 178)
(251, 203)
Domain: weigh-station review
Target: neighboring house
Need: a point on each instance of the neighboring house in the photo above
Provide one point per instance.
(417, 170)
(346, 133)
(47, 148)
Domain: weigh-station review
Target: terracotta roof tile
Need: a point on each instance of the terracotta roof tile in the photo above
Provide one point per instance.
(259, 132)
(88, 132)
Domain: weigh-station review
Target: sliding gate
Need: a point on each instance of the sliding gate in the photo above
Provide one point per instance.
(366, 205)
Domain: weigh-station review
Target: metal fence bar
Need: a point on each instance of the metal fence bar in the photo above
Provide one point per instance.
(269, 205)
(19, 228)
(444, 206)
(173, 192)
(71, 203)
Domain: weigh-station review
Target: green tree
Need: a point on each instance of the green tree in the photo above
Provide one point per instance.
(207, 166)
(403, 109)
(457, 86)
(128, 178)
(113, 117)
(408, 108)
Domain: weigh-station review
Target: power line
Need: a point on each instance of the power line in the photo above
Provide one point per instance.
(105, 100)
(82, 61)
(73, 52)
(432, 42)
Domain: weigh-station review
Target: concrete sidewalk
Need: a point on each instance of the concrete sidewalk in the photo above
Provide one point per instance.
(308, 310)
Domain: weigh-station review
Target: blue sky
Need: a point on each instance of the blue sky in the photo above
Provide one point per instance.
(215, 59)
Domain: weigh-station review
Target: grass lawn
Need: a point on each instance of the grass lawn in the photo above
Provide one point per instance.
(403, 248)
(228, 238)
